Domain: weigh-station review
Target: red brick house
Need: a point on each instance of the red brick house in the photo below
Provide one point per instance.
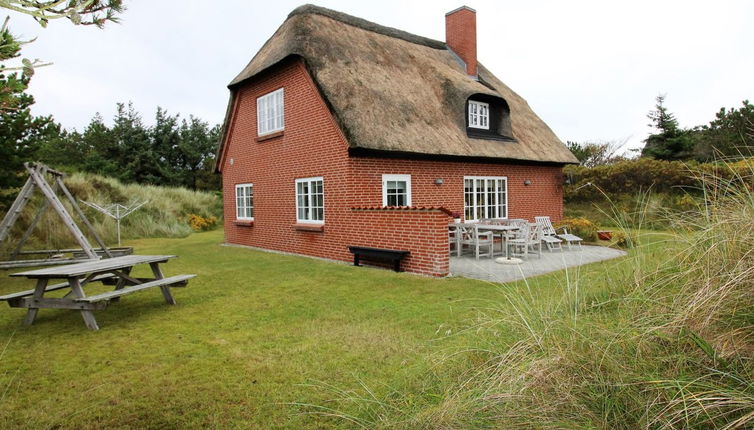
(343, 132)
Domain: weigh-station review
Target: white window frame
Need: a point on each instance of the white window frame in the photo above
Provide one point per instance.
(251, 202)
(486, 208)
(310, 195)
(271, 112)
(479, 115)
(398, 178)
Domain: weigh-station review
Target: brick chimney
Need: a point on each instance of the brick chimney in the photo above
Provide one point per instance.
(460, 35)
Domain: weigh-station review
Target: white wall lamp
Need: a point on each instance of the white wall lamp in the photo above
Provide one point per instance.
(527, 182)
(438, 181)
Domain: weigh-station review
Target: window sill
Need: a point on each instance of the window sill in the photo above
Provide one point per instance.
(309, 227)
(270, 136)
(244, 222)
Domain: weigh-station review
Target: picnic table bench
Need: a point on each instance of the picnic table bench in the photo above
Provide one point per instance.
(393, 255)
(115, 271)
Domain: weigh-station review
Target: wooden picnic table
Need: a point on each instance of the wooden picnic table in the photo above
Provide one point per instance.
(115, 270)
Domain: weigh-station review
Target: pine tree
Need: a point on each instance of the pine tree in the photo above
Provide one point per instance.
(671, 142)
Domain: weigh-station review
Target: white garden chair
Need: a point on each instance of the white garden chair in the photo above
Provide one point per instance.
(471, 236)
(565, 236)
(527, 237)
(549, 235)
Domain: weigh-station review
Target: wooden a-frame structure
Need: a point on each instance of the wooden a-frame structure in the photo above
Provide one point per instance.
(37, 180)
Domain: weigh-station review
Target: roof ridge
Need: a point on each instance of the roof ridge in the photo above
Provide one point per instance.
(367, 25)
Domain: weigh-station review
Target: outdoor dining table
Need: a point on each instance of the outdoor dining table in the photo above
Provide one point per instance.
(115, 271)
(503, 229)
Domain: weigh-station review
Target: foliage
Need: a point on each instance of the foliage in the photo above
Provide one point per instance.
(670, 142)
(78, 12)
(581, 227)
(630, 176)
(200, 223)
(173, 152)
(170, 153)
(730, 135)
(592, 154)
(21, 135)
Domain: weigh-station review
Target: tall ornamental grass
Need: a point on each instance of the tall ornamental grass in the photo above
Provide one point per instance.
(664, 339)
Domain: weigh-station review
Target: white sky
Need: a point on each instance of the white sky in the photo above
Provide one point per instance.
(590, 69)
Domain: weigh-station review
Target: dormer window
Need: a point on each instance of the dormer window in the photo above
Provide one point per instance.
(479, 115)
(488, 117)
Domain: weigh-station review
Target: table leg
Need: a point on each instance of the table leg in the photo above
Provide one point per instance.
(78, 292)
(165, 289)
(121, 283)
(39, 292)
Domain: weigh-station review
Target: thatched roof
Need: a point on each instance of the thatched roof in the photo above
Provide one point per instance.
(394, 91)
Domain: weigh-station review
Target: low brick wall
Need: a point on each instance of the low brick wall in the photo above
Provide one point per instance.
(422, 231)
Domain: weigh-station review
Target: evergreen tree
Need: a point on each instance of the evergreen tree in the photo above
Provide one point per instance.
(21, 136)
(730, 134)
(671, 142)
(198, 144)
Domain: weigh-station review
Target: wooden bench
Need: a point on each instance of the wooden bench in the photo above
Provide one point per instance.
(393, 255)
(54, 287)
(173, 281)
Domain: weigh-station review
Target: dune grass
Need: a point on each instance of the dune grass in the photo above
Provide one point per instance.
(257, 340)
(164, 215)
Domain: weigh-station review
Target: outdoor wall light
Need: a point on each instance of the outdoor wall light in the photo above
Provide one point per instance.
(527, 182)
(438, 181)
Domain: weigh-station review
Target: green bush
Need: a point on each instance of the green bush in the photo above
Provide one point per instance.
(581, 227)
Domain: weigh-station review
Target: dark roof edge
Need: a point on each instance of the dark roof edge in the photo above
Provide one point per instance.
(382, 153)
(367, 25)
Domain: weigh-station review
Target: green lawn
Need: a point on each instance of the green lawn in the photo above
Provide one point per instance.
(253, 334)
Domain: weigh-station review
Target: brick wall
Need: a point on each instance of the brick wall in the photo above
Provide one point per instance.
(423, 232)
(313, 145)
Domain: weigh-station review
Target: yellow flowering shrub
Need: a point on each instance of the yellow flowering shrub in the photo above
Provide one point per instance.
(200, 223)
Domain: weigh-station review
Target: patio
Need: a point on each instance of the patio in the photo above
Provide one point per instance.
(487, 269)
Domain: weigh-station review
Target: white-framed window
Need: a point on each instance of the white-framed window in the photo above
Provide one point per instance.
(396, 190)
(245, 201)
(310, 200)
(270, 112)
(485, 197)
(479, 115)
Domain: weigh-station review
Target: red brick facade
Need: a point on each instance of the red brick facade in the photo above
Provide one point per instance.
(312, 145)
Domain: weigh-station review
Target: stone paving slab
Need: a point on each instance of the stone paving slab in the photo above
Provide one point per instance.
(487, 269)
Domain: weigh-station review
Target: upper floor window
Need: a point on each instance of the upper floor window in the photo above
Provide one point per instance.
(270, 112)
(479, 115)
(310, 200)
(396, 190)
(245, 201)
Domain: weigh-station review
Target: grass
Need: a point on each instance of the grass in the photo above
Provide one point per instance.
(260, 340)
(164, 215)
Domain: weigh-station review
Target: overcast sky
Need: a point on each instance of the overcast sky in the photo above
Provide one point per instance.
(590, 69)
